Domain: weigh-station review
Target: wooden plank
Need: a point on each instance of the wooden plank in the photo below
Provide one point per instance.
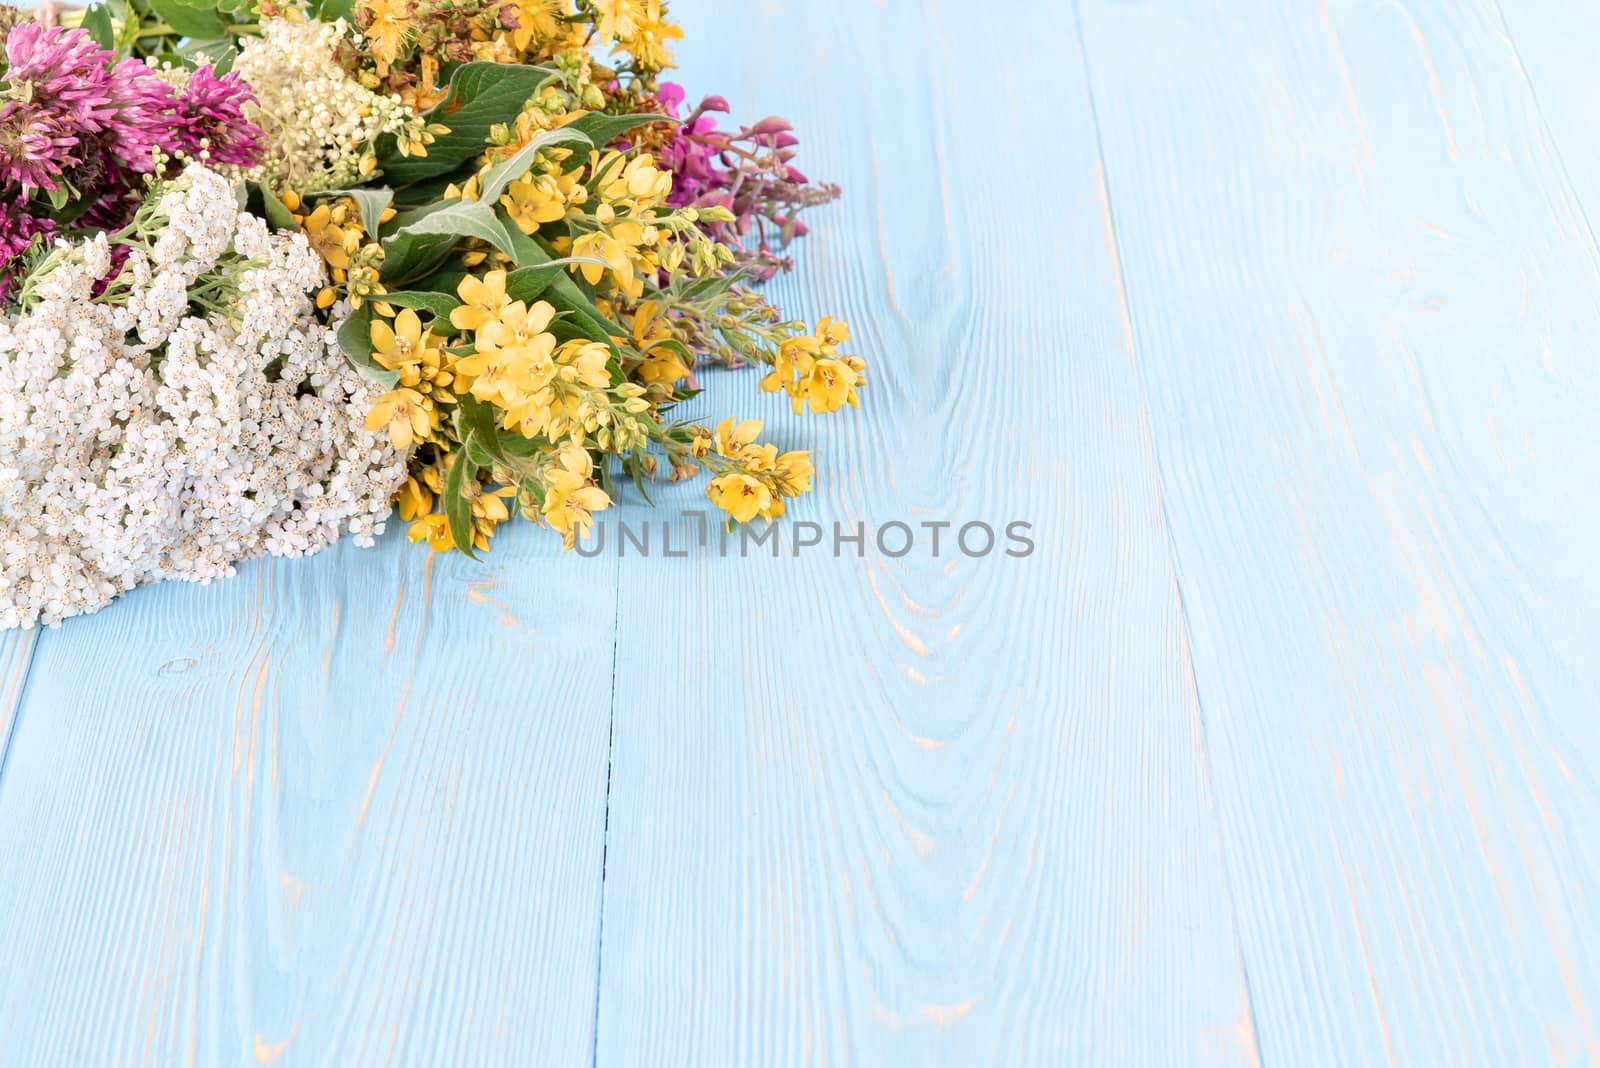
(292, 815)
(925, 810)
(1554, 44)
(16, 654)
(1366, 309)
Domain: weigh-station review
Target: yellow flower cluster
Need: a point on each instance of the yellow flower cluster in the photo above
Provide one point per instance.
(487, 506)
(812, 371)
(353, 256)
(543, 389)
(755, 478)
(638, 28)
(570, 495)
(410, 413)
(403, 39)
(533, 406)
(631, 237)
(659, 364)
(545, 195)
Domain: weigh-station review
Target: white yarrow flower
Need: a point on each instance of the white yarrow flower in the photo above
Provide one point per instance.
(204, 440)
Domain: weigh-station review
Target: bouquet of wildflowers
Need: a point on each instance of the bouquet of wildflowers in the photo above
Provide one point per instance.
(268, 271)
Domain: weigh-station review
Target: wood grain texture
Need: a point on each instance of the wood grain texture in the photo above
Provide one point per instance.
(16, 655)
(926, 810)
(1553, 44)
(1277, 321)
(1364, 300)
(289, 818)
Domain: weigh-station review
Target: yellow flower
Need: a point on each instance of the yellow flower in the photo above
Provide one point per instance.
(831, 331)
(830, 385)
(742, 496)
(327, 237)
(415, 499)
(571, 497)
(488, 511)
(406, 415)
(387, 30)
(758, 458)
(435, 528)
(554, 405)
(514, 362)
(662, 364)
(519, 326)
(729, 438)
(535, 18)
(618, 18)
(490, 506)
(638, 181)
(649, 42)
(812, 371)
(602, 246)
(794, 473)
(661, 367)
(585, 362)
(484, 298)
(467, 190)
(531, 202)
(401, 345)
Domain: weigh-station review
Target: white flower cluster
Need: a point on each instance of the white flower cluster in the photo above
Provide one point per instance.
(318, 120)
(142, 441)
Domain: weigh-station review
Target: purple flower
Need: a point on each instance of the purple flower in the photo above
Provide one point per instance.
(80, 117)
(36, 146)
(18, 231)
(747, 172)
(669, 95)
(64, 70)
(211, 122)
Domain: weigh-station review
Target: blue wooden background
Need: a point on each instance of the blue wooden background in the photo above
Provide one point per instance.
(1278, 320)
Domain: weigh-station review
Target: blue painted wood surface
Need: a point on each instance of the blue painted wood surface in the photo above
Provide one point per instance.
(1276, 321)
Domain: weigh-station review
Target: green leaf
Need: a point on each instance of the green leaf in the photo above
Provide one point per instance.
(372, 203)
(97, 23)
(602, 129)
(193, 19)
(476, 417)
(224, 63)
(520, 446)
(561, 291)
(278, 215)
(427, 236)
(528, 284)
(457, 509)
(513, 167)
(479, 453)
(712, 285)
(355, 338)
(442, 282)
(199, 50)
(461, 218)
(480, 96)
(440, 304)
(334, 10)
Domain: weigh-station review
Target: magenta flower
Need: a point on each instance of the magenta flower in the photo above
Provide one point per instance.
(73, 116)
(747, 172)
(63, 70)
(79, 117)
(211, 122)
(36, 146)
(18, 231)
